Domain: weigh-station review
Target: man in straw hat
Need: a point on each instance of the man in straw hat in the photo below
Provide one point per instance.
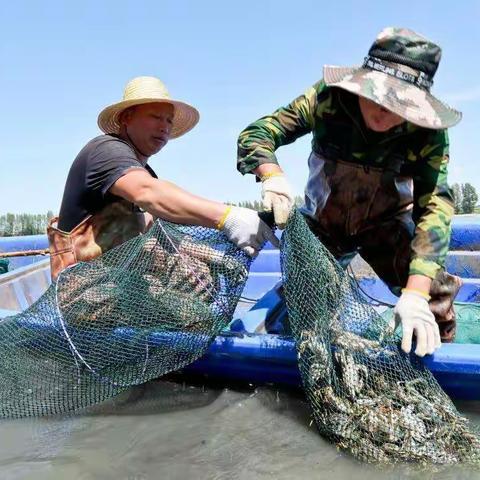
(110, 183)
(378, 175)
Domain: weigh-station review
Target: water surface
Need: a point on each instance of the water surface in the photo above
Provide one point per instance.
(176, 430)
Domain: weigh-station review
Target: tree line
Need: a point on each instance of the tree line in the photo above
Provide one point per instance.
(465, 198)
(257, 205)
(13, 225)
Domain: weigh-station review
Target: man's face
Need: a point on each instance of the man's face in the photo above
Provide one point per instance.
(149, 126)
(377, 118)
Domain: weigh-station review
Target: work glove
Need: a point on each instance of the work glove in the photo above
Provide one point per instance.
(277, 196)
(246, 230)
(413, 312)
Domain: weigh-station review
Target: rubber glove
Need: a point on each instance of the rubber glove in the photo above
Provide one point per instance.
(277, 196)
(246, 230)
(413, 312)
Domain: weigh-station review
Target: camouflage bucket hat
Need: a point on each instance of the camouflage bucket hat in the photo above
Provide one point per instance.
(397, 74)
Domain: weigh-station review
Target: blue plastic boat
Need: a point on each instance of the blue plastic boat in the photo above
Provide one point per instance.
(256, 348)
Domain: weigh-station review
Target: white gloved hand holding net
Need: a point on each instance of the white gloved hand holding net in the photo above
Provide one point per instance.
(244, 228)
(277, 196)
(414, 314)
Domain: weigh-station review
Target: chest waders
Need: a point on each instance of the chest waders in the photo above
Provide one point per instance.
(96, 234)
(363, 209)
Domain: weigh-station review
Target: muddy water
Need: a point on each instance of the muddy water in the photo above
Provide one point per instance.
(172, 430)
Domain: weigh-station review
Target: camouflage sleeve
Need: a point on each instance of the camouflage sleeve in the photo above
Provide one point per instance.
(258, 142)
(433, 207)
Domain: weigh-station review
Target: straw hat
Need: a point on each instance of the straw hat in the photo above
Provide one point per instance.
(397, 74)
(143, 90)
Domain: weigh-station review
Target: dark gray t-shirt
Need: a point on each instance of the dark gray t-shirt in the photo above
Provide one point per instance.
(97, 167)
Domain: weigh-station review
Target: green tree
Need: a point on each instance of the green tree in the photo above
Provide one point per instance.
(457, 197)
(28, 224)
(470, 198)
(10, 225)
(24, 224)
(257, 205)
(299, 201)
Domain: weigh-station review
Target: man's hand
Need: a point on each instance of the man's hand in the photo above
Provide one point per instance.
(244, 228)
(413, 312)
(277, 196)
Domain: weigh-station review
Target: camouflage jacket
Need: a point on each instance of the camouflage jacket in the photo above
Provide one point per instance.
(339, 133)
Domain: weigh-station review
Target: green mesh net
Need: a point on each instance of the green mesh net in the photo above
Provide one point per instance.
(467, 318)
(145, 308)
(154, 304)
(3, 265)
(468, 323)
(367, 396)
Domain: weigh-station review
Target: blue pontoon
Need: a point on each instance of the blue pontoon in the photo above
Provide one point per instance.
(257, 348)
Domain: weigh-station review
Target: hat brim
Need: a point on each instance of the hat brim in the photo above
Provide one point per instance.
(408, 101)
(184, 119)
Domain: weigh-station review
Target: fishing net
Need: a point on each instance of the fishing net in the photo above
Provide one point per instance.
(367, 396)
(3, 265)
(467, 319)
(468, 323)
(154, 304)
(143, 309)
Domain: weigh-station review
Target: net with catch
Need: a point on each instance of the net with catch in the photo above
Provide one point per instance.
(367, 396)
(141, 310)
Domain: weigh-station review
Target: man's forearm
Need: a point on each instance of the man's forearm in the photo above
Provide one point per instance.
(172, 203)
(420, 283)
(266, 169)
(165, 200)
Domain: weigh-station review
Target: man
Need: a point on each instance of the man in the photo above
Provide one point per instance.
(112, 194)
(377, 132)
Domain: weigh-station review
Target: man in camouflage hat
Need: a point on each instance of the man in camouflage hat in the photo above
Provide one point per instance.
(378, 175)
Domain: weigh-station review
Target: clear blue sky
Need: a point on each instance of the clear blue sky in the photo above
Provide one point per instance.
(62, 62)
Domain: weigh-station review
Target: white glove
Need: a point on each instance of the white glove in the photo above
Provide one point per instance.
(413, 312)
(277, 196)
(247, 231)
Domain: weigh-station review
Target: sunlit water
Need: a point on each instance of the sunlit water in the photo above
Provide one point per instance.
(172, 430)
